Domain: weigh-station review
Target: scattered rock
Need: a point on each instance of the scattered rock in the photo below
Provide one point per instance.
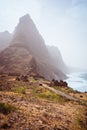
(40, 121)
(27, 129)
(18, 78)
(40, 84)
(5, 126)
(81, 96)
(42, 127)
(11, 120)
(68, 122)
(23, 78)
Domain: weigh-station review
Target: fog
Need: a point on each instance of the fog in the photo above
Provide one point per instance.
(62, 23)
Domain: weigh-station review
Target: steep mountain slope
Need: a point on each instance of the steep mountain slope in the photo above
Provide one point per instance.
(27, 53)
(5, 38)
(57, 58)
(16, 60)
(26, 35)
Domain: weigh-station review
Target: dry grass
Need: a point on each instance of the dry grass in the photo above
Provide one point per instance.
(6, 108)
(19, 89)
(40, 108)
(44, 93)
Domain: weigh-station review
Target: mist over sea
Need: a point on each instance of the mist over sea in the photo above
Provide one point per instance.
(78, 81)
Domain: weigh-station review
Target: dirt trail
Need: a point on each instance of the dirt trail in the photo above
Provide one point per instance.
(64, 94)
(60, 93)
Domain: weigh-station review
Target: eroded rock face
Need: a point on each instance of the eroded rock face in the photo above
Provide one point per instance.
(16, 60)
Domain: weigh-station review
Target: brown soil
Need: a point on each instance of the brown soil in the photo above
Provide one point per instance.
(34, 112)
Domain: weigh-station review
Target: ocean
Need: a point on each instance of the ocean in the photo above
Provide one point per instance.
(78, 81)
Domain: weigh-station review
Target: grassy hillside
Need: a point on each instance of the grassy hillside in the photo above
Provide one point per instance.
(30, 106)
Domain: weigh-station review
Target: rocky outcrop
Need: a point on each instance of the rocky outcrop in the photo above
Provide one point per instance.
(60, 83)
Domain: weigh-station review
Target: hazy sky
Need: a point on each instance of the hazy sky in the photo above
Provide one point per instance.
(61, 22)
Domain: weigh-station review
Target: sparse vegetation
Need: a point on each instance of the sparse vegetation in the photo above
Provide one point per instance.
(51, 96)
(70, 90)
(32, 79)
(20, 90)
(58, 87)
(28, 102)
(46, 94)
(80, 121)
(6, 108)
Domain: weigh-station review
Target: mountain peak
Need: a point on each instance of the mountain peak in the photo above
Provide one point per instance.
(27, 52)
(27, 34)
(25, 18)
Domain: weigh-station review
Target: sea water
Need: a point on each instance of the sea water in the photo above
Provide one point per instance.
(78, 81)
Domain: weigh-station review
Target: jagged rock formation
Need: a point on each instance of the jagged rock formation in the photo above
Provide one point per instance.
(5, 38)
(28, 53)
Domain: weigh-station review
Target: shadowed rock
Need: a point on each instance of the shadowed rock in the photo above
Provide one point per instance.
(58, 83)
(23, 78)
